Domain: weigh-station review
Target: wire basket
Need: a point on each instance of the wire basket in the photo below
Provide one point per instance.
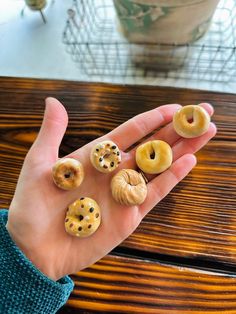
(97, 46)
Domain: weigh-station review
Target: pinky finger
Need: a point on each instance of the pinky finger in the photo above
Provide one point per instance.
(160, 186)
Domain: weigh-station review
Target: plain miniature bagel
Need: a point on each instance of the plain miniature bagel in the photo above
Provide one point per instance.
(105, 156)
(154, 157)
(83, 217)
(128, 187)
(191, 121)
(68, 173)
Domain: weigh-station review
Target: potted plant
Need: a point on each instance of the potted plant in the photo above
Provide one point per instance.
(164, 21)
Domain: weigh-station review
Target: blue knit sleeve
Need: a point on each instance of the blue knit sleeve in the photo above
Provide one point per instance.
(23, 288)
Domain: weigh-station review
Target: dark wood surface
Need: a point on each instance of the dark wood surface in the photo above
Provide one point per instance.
(195, 225)
(129, 285)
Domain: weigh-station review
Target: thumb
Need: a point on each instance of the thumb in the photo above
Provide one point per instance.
(52, 129)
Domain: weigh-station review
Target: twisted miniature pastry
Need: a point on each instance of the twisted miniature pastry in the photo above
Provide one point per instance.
(154, 157)
(128, 187)
(105, 156)
(68, 173)
(191, 121)
(83, 217)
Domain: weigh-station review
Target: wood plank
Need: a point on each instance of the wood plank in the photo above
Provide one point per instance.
(122, 285)
(197, 219)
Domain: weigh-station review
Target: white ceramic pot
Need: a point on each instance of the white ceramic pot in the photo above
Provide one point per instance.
(164, 21)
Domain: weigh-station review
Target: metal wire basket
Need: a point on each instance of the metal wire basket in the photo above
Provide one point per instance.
(93, 39)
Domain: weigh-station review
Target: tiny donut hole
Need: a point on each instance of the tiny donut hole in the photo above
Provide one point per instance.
(89, 226)
(81, 217)
(80, 228)
(152, 155)
(67, 175)
(190, 120)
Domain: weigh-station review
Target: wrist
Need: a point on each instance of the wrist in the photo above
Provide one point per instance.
(35, 256)
(23, 288)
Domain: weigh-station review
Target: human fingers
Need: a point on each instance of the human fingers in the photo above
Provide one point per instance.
(141, 125)
(182, 147)
(168, 133)
(192, 145)
(133, 130)
(52, 130)
(161, 185)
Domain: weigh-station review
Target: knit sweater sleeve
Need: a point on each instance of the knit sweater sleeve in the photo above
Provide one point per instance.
(23, 288)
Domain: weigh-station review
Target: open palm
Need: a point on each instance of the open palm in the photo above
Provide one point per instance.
(37, 212)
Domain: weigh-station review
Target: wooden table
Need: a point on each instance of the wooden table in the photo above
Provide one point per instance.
(182, 257)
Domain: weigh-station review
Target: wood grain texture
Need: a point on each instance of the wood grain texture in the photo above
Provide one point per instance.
(121, 285)
(197, 219)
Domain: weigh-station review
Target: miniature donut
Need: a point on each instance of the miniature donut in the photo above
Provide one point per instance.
(154, 157)
(128, 187)
(191, 121)
(83, 217)
(105, 156)
(68, 173)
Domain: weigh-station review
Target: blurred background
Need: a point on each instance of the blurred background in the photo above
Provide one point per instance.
(181, 43)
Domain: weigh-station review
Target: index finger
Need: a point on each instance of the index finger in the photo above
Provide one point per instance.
(141, 125)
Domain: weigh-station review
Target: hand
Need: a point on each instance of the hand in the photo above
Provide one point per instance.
(37, 211)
